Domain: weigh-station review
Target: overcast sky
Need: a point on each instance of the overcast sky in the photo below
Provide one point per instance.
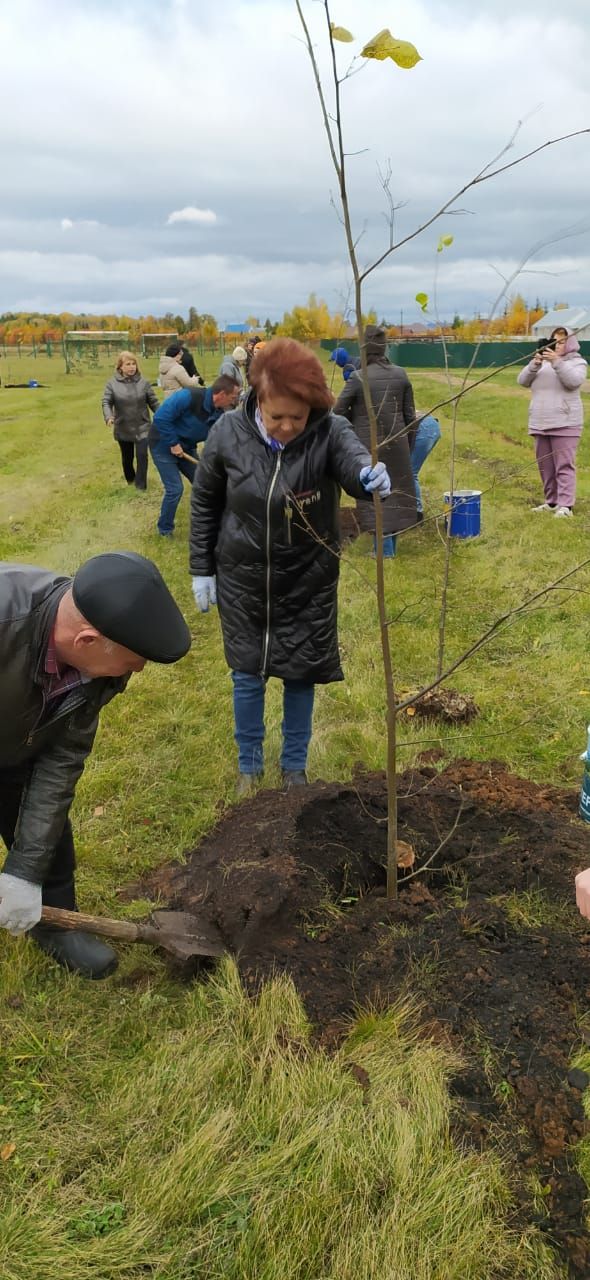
(158, 154)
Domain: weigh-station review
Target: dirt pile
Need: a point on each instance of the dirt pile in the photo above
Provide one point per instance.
(296, 882)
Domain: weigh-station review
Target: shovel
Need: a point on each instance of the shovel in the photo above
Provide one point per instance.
(178, 932)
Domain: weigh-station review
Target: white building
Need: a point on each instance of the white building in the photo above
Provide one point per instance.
(576, 318)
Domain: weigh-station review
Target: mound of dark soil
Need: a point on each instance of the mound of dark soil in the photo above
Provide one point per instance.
(295, 881)
(445, 704)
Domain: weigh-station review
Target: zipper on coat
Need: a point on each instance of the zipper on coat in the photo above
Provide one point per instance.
(289, 518)
(63, 711)
(271, 490)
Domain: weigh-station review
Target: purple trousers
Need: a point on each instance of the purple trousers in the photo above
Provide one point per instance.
(556, 460)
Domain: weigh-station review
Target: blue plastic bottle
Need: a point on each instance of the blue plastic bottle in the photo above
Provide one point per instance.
(585, 792)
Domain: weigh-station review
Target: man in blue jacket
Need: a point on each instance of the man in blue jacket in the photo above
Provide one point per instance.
(182, 422)
(348, 364)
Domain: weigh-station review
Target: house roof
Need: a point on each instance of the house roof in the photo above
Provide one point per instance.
(418, 329)
(570, 317)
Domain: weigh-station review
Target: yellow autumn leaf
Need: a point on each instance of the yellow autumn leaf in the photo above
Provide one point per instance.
(340, 33)
(7, 1150)
(384, 45)
(410, 711)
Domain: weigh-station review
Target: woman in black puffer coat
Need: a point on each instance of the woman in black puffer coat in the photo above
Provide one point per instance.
(265, 544)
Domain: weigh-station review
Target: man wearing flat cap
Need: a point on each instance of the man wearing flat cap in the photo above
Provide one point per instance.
(67, 646)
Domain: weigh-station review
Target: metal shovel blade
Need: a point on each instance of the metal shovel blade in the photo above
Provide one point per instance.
(184, 935)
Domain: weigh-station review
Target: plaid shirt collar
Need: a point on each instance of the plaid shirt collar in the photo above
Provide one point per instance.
(58, 680)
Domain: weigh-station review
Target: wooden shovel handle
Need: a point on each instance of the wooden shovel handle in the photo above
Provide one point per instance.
(76, 920)
(189, 457)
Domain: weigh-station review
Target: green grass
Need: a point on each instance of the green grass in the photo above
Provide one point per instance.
(209, 1139)
(170, 1132)
(534, 909)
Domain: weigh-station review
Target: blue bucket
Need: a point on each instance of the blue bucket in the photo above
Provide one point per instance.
(465, 513)
(33, 383)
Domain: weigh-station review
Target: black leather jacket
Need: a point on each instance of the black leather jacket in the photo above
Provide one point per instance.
(48, 747)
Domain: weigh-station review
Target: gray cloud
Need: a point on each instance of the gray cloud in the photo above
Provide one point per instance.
(128, 116)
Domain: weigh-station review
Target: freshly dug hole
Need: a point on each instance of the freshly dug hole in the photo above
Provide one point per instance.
(295, 881)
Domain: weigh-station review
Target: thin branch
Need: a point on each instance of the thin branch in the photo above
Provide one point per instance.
(419, 870)
(495, 626)
(486, 737)
(483, 176)
(319, 88)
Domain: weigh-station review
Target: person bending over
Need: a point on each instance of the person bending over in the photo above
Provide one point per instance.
(181, 422)
(67, 647)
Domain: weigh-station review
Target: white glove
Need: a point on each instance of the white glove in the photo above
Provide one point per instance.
(205, 592)
(376, 480)
(20, 903)
(583, 892)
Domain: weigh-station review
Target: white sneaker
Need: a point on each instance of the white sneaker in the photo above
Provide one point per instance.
(545, 506)
(563, 511)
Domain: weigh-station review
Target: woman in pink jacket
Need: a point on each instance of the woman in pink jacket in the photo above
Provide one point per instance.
(556, 416)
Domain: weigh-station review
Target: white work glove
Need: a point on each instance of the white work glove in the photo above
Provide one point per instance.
(376, 480)
(583, 892)
(20, 903)
(205, 592)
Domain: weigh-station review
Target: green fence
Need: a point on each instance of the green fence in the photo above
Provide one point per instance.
(430, 355)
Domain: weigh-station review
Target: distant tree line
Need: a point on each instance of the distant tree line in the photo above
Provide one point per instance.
(307, 322)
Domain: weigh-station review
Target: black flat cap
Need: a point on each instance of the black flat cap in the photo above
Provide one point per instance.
(125, 597)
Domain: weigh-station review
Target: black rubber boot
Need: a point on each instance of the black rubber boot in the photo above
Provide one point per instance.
(80, 952)
(294, 778)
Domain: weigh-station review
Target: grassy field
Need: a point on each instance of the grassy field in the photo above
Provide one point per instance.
(178, 1133)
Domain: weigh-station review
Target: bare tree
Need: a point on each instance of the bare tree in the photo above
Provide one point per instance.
(385, 45)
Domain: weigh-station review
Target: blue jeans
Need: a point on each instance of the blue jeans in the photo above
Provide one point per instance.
(427, 435)
(298, 699)
(389, 545)
(171, 470)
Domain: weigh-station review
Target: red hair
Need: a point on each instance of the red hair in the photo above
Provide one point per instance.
(287, 368)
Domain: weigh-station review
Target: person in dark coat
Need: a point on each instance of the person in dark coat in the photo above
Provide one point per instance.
(393, 401)
(126, 402)
(67, 647)
(264, 544)
(181, 422)
(188, 363)
(251, 345)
